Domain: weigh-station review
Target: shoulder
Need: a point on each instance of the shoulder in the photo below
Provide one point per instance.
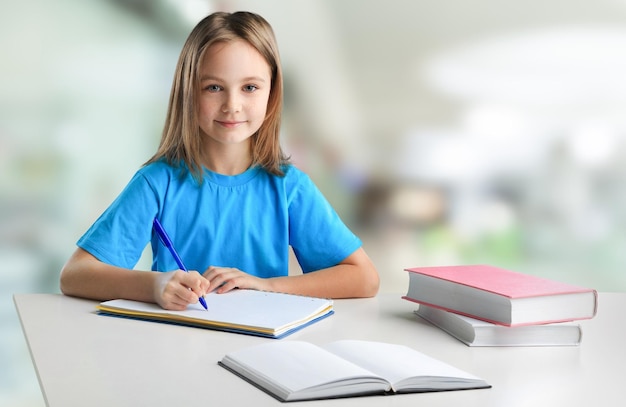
(294, 180)
(294, 176)
(160, 177)
(159, 169)
(300, 188)
(160, 172)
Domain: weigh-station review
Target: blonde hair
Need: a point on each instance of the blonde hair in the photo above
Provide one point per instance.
(181, 141)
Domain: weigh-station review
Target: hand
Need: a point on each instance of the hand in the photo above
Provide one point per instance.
(175, 290)
(224, 279)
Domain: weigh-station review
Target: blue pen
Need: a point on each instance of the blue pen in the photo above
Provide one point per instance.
(168, 243)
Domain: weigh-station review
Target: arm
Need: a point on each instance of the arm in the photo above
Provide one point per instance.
(356, 276)
(85, 276)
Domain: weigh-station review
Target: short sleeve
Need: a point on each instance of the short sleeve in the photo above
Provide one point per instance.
(121, 233)
(317, 235)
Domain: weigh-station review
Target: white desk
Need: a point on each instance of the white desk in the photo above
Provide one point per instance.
(84, 359)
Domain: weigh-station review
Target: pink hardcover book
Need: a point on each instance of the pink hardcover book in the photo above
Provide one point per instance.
(500, 296)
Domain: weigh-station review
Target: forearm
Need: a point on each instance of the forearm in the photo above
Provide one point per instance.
(85, 276)
(355, 277)
(334, 282)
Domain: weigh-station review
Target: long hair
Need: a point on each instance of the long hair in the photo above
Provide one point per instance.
(181, 142)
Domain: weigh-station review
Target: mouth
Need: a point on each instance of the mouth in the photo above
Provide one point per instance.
(229, 124)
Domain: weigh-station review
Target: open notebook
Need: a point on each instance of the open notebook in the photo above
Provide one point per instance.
(297, 370)
(261, 313)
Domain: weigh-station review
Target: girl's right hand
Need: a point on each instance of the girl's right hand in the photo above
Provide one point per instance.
(175, 290)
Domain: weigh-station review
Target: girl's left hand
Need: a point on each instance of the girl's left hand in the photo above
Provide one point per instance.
(224, 279)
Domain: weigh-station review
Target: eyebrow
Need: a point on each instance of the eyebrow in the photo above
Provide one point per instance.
(205, 78)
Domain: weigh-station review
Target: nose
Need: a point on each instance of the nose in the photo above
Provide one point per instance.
(232, 103)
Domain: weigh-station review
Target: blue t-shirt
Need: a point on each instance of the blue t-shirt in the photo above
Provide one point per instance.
(246, 221)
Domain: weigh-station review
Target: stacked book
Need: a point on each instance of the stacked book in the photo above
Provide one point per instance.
(489, 306)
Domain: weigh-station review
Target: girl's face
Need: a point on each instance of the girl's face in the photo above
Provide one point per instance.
(235, 82)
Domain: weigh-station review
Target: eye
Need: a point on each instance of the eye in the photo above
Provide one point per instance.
(213, 88)
(250, 88)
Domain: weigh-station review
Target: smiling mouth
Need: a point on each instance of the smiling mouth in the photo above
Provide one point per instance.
(230, 124)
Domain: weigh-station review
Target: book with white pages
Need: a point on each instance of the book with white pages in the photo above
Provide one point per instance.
(298, 370)
(475, 332)
(260, 313)
(500, 296)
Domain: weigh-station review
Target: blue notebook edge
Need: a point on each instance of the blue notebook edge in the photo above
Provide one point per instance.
(222, 329)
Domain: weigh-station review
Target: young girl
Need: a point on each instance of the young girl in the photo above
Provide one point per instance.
(223, 190)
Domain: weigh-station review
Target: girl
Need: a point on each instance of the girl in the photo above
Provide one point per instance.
(224, 191)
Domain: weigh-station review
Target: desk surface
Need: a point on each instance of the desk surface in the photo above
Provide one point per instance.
(84, 359)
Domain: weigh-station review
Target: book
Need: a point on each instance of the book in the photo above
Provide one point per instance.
(474, 332)
(260, 313)
(500, 296)
(298, 370)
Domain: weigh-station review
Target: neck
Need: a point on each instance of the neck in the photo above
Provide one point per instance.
(229, 168)
(228, 160)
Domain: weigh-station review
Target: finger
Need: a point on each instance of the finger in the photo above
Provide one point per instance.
(178, 291)
(194, 281)
(209, 272)
(186, 296)
(214, 276)
(229, 285)
(174, 302)
(203, 287)
(187, 279)
(175, 306)
(217, 283)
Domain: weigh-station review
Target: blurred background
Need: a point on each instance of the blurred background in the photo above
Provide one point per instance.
(443, 131)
